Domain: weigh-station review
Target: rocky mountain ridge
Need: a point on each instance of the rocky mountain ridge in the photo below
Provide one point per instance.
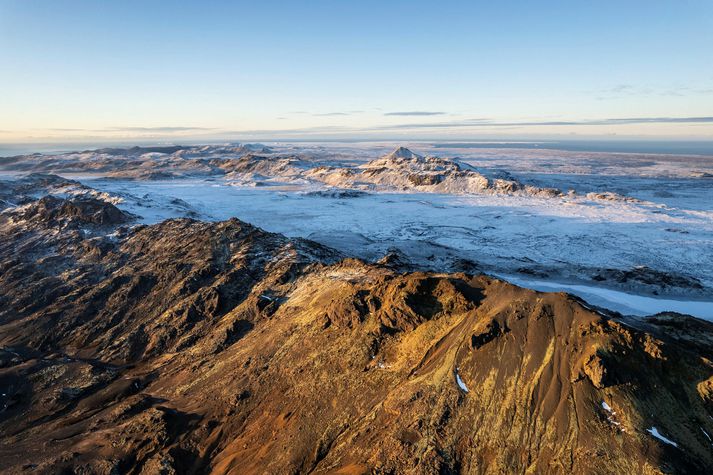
(192, 347)
(253, 164)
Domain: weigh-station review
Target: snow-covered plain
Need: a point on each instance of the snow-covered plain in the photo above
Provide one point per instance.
(628, 212)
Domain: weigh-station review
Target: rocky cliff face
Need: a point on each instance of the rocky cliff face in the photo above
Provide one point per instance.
(192, 347)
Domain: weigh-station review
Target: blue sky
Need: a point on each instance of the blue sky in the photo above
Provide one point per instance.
(331, 69)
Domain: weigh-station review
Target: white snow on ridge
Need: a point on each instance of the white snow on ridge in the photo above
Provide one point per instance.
(654, 432)
(611, 415)
(460, 382)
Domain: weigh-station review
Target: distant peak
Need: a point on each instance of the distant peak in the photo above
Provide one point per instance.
(403, 152)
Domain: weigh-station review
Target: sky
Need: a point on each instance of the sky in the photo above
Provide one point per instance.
(213, 70)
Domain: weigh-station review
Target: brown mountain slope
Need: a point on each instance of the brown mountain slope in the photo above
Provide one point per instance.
(189, 347)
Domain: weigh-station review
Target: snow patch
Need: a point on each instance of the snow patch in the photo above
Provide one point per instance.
(612, 413)
(460, 382)
(655, 432)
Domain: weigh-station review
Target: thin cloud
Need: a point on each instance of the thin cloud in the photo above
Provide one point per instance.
(156, 129)
(613, 121)
(468, 123)
(649, 120)
(620, 88)
(298, 131)
(132, 129)
(334, 114)
(414, 113)
(674, 92)
(436, 125)
(473, 123)
(629, 90)
(331, 114)
(69, 130)
(624, 90)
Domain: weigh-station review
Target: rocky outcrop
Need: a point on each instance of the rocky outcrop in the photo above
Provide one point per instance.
(405, 170)
(27, 189)
(78, 211)
(192, 347)
(649, 277)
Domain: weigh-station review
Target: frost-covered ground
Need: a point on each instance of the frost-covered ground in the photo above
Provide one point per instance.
(636, 236)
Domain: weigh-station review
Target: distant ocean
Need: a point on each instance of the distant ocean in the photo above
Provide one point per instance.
(677, 147)
(693, 147)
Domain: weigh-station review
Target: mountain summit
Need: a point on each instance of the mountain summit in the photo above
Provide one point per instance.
(403, 152)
